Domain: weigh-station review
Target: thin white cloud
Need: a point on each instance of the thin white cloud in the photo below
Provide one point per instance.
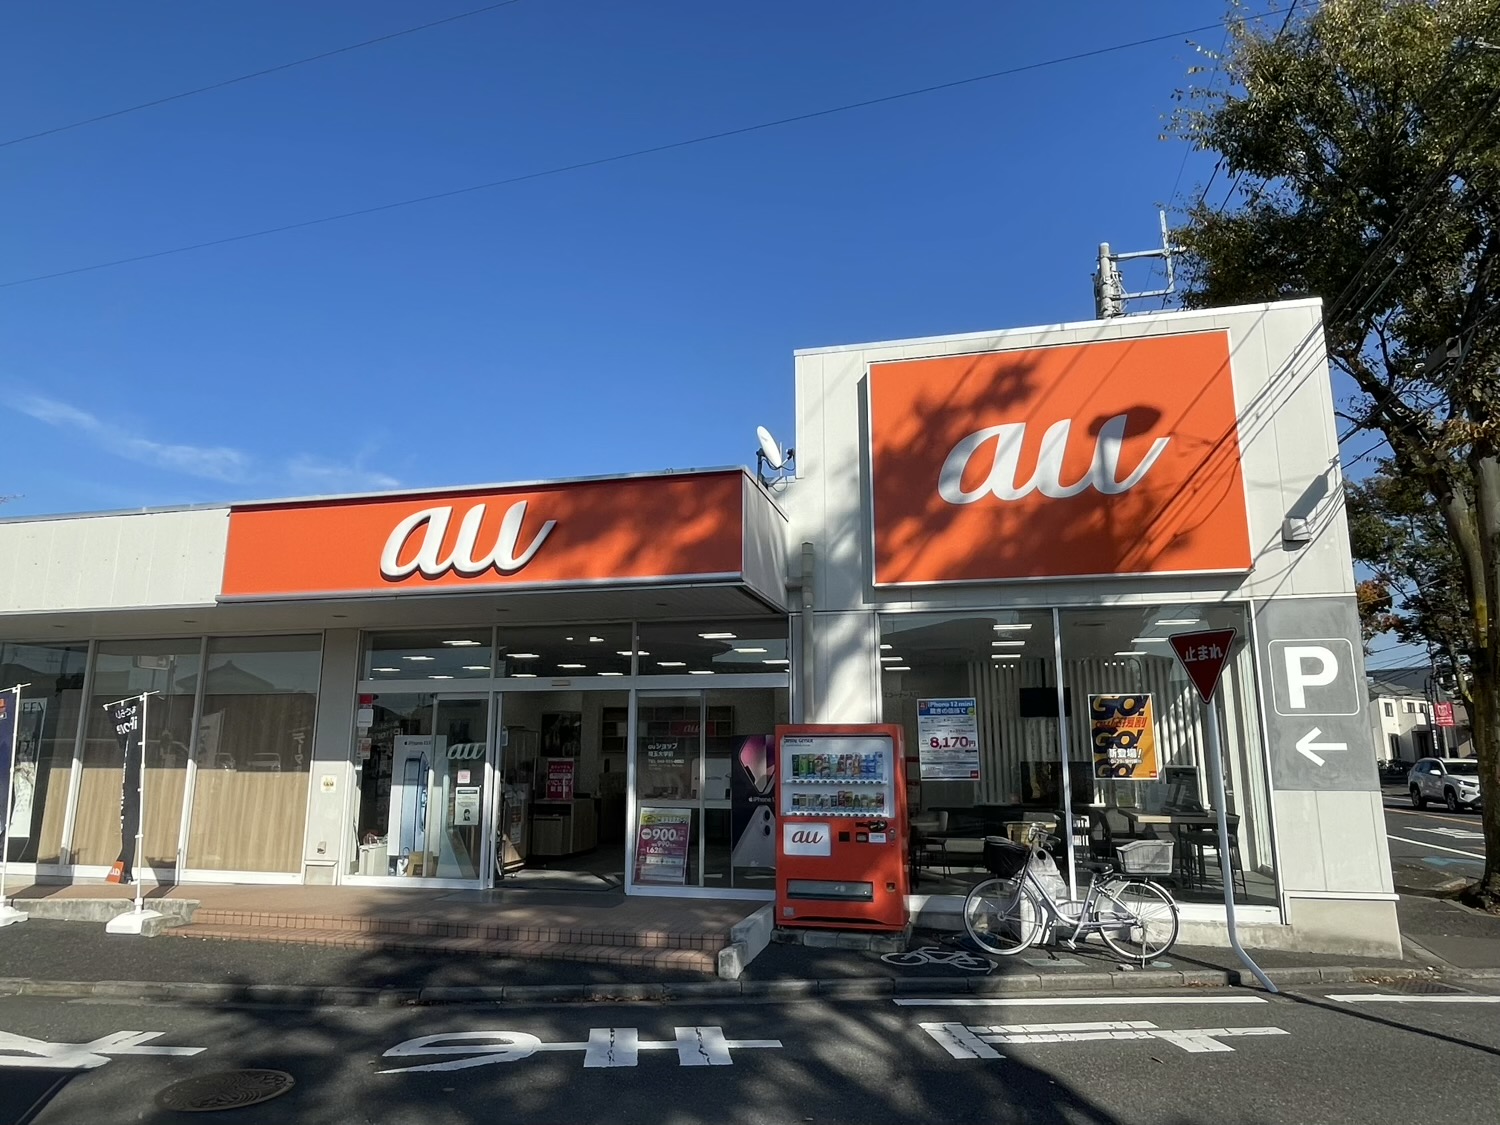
(210, 462)
(320, 475)
(302, 473)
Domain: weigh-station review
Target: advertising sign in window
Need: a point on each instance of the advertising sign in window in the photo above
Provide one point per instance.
(948, 739)
(661, 845)
(1123, 732)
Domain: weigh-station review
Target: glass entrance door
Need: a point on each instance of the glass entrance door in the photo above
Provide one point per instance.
(423, 812)
(667, 838)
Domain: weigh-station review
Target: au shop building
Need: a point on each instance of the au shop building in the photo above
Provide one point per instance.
(509, 685)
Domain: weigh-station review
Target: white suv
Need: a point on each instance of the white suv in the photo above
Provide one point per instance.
(1454, 781)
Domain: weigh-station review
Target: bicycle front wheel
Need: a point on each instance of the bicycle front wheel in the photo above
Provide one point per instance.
(1139, 919)
(1003, 916)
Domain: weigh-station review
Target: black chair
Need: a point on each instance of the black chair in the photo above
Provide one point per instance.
(1198, 840)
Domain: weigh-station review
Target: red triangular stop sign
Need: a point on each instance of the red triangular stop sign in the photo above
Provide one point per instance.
(1203, 656)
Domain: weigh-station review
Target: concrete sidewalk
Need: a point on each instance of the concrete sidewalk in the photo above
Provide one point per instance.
(71, 959)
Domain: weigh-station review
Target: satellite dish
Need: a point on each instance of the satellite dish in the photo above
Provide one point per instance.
(769, 449)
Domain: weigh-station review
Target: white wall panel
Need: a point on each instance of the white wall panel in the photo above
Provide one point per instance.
(112, 562)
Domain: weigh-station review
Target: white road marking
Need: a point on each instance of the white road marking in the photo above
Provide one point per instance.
(1393, 998)
(23, 1051)
(1434, 847)
(1455, 833)
(970, 1042)
(606, 1047)
(1072, 1001)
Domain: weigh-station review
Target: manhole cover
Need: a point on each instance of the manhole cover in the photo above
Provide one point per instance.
(224, 1089)
(1418, 987)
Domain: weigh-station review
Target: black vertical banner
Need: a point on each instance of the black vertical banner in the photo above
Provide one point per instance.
(125, 717)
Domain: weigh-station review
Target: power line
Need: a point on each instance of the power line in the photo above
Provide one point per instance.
(634, 154)
(255, 74)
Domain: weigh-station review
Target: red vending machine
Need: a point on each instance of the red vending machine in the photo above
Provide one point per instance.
(841, 848)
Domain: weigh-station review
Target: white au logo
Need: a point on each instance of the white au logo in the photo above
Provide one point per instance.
(433, 523)
(1003, 480)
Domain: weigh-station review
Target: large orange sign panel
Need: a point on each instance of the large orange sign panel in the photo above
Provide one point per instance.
(584, 532)
(1116, 457)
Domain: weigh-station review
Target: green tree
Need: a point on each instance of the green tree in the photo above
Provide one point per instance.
(1362, 141)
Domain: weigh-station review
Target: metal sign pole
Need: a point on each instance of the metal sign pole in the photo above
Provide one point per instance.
(1216, 777)
(8, 913)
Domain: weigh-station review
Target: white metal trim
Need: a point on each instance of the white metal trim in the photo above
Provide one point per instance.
(269, 878)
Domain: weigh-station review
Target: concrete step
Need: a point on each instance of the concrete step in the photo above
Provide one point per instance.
(523, 931)
(702, 960)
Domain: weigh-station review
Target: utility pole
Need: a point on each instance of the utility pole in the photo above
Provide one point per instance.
(1109, 287)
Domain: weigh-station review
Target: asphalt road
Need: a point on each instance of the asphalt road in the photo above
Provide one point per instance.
(1446, 843)
(1210, 1056)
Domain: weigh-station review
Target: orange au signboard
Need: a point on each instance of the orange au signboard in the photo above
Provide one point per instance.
(1109, 458)
(572, 533)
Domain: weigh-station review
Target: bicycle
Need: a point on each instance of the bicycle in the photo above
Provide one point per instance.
(1009, 912)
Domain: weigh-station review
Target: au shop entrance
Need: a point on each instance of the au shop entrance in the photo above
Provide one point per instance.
(542, 788)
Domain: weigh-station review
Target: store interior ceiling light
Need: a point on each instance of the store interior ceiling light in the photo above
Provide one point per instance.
(524, 675)
(776, 661)
(1178, 621)
(611, 673)
(572, 665)
(1132, 652)
(385, 669)
(1009, 644)
(463, 644)
(1005, 656)
(717, 636)
(417, 658)
(1148, 640)
(671, 664)
(596, 639)
(898, 668)
(439, 677)
(886, 646)
(891, 659)
(627, 652)
(1005, 628)
(700, 672)
(476, 667)
(738, 649)
(528, 656)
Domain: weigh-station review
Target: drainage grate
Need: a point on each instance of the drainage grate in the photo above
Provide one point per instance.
(224, 1089)
(1415, 986)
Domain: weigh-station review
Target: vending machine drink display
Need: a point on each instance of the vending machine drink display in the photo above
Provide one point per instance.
(841, 848)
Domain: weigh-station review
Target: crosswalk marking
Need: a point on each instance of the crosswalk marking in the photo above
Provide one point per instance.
(1395, 998)
(1070, 1001)
(970, 1042)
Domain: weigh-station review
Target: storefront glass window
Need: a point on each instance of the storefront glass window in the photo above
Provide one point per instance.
(254, 747)
(707, 648)
(565, 651)
(1141, 724)
(47, 731)
(428, 654)
(1005, 662)
(168, 668)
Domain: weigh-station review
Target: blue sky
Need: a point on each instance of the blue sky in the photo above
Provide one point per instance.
(635, 316)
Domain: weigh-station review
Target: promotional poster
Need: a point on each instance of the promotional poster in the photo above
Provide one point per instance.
(1123, 732)
(752, 795)
(661, 845)
(7, 753)
(125, 717)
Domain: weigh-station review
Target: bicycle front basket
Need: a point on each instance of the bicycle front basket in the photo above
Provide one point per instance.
(1146, 857)
(1005, 859)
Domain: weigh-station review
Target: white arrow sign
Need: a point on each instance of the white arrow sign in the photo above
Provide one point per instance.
(1306, 745)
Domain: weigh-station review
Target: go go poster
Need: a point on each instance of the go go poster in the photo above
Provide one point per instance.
(1124, 737)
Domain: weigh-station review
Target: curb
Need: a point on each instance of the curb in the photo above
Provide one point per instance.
(843, 988)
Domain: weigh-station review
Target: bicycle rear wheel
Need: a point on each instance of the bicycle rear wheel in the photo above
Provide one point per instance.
(1003, 916)
(1139, 918)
